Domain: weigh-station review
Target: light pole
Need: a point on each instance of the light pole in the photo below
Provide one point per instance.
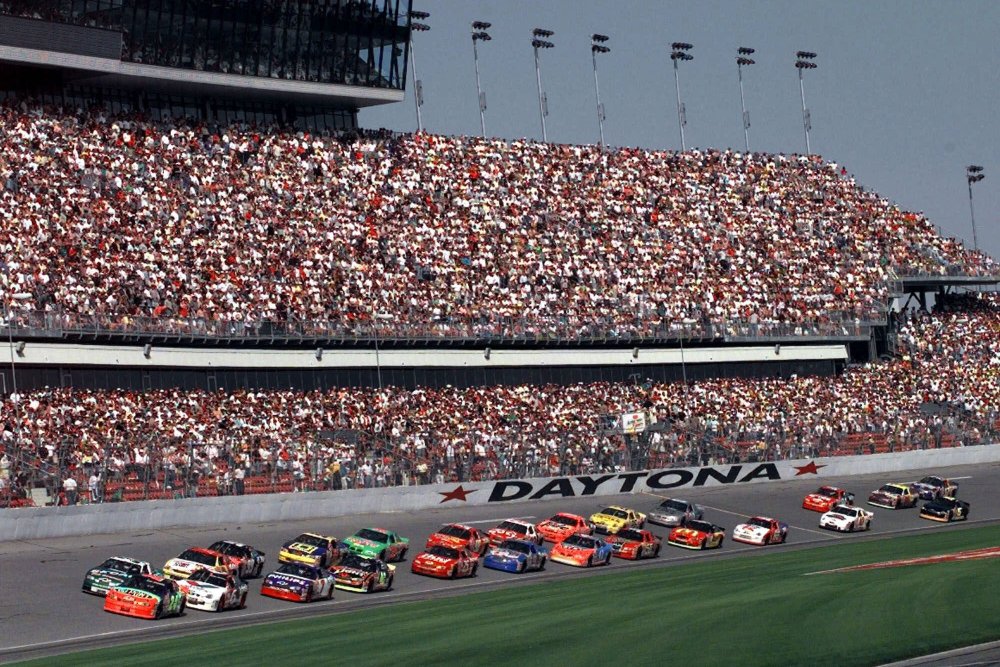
(742, 60)
(543, 103)
(680, 53)
(479, 34)
(418, 85)
(597, 46)
(804, 62)
(973, 174)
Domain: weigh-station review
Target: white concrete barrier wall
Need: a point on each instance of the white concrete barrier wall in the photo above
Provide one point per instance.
(43, 522)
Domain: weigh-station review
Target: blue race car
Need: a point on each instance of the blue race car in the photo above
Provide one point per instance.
(516, 556)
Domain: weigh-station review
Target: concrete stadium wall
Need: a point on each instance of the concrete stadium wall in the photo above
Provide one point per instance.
(37, 523)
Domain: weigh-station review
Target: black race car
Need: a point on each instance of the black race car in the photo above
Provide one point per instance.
(945, 509)
(251, 561)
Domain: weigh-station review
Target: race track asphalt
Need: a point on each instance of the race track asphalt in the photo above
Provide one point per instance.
(43, 612)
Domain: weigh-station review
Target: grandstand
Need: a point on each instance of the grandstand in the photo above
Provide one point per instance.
(216, 283)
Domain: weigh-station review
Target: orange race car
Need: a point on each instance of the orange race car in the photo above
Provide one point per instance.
(634, 544)
(581, 551)
(146, 596)
(562, 525)
(458, 536)
(826, 497)
(697, 535)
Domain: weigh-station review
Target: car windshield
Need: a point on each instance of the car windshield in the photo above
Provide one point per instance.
(198, 557)
(514, 527)
(297, 570)
(563, 519)
(845, 510)
(706, 527)
(757, 521)
(630, 534)
(311, 540)
(889, 488)
(358, 562)
(230, 549)
(372, 535)
(932, 481)
(209, 577)
(674, 505)
(121, 566)
(580, 541)
(515, 545)
(615, 512)
(153, 586)
(452, 530)
(827, 491)
(444, 552)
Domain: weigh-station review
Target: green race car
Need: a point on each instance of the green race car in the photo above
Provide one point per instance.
(113, 572)
(378, 543)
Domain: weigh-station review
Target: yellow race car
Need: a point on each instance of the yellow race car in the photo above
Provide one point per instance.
(612, 519)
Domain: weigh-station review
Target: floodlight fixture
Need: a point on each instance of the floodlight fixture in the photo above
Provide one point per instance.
(596, 37)
(481, 25)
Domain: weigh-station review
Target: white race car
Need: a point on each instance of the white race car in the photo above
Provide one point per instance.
(212, 591)
(761, 530)
(847, 519)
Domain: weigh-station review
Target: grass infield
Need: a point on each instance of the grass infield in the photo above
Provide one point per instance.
(750, 611)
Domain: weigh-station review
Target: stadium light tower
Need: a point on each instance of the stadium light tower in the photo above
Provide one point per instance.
(418, 85)
(597, 46)
(743, 60)
(973, 174)
(479, 34)
(680, 52)
(538, 42)
(804, 61)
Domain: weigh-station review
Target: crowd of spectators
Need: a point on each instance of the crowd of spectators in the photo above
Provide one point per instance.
(116, 219)
(944, 383)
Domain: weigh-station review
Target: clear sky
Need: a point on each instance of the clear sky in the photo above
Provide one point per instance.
(905, 95)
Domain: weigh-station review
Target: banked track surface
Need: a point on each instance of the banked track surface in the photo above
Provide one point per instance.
(43, 612)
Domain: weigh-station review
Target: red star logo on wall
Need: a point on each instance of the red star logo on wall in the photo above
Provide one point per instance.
(808, 469)
(458, 494)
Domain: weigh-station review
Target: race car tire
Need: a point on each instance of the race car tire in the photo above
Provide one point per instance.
(475, 570)
(590, 561)
(656, 551)
(243, 601)
(703, 544)
(329, 596)
(218, 605)
(868, 525)
(388, 584)
(850, 528)
(159, 611)
(607, 559)
(522, 566)
(381, 556)
(542, 565)
(184, 603)
(309, 595)
(370, 587)
(951, 516)
(452, 574)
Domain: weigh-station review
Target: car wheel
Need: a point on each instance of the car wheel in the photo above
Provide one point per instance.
(159, 611)
(850, 528)
(371, 586)
(388, 584)
(656, 551)
(309, 595)
(951, 516)
(243, 601)
(381, 556)
(329, 595)
(218, 605)
(590, 561)
(180, 612)
(521, 566)
(703, 544)
(475, 570)
(542, 565)
(451, 575)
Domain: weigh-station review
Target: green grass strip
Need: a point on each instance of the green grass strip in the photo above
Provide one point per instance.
(749, 611)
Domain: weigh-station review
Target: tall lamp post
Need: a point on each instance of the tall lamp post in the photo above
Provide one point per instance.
(804, 61)
(680, 53)
(538, 42)
(418, 85)
(479, 34)
(973, 174)
(597, 46)
(743, 60)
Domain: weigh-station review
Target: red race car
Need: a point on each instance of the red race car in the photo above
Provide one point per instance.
(826, 497)
(697, 535)
(515, 529)
(562, 525)
(581, 551)
(446, 563)
(458, 536)
(634, 544)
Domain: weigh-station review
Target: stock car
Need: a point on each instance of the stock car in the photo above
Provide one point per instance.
(446, 563)
(945, 510)
(697, 535)
(893, 496)
(516, 556)
(514, 529)
(826, 497)
(212, 591)
(634, 544)
(560, 526)
(612, 519)
(582, 551)
(459, 536)
(761, 530)
(249, 561)
(675, 512)
(847, 519)
(378, 543)
(146, 596)
(196, 558)
(362, 574)
(933, 487)
(113, 572)
(299, 583)
(311, 549)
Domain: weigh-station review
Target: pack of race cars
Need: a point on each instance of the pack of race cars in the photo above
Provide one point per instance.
(313, 565)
